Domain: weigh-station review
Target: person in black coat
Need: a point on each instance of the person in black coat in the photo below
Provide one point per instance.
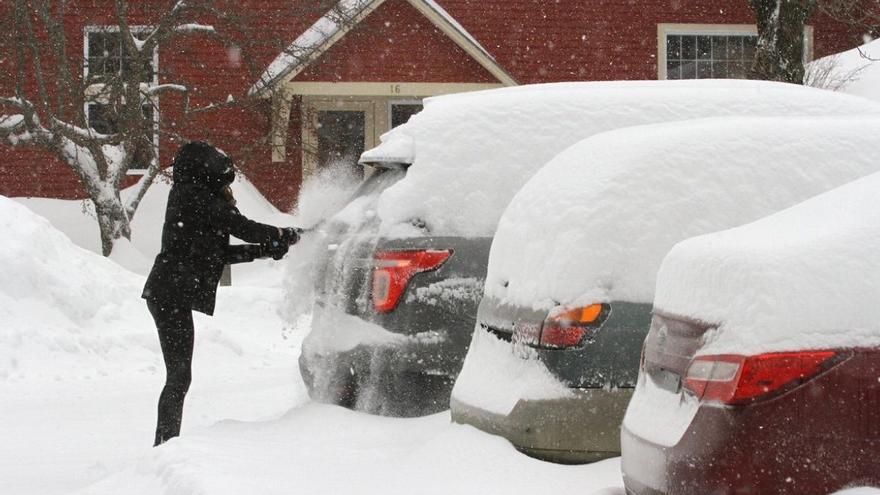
(200, 217)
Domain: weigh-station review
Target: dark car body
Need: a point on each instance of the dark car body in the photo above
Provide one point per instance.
(816, 435)
(411, 372)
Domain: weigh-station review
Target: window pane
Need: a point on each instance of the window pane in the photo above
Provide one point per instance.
(341, 138)
(737, 70)
(719, 70)
(688, 70)
(101, 119)
(719, 47)
(704, 70)
(704, 47)
(401, 112)
(734, 47)
(673, 70)
(111, 44)
(673, 48)
(96, 45)
(688, 47)
(749, 47)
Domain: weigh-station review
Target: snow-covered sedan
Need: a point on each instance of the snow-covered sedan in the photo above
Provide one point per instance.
(761, 372)
(403, 272)
(572, 270)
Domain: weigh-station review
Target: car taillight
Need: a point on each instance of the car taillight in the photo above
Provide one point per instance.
(732, 379)
(569, 327)
(393, 270)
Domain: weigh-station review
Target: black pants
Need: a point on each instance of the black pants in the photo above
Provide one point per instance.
(175, 326)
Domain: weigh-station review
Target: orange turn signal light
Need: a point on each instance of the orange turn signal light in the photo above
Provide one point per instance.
(582, 315)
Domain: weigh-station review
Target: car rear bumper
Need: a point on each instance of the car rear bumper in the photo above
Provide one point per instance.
(405, 379)
(579, 429)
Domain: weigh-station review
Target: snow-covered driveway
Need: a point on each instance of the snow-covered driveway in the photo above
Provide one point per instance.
(248, 428)
(319, 449)
(81, 371)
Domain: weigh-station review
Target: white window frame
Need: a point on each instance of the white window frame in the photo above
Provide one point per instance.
(664, 30)
(408, 101)
(96, 89)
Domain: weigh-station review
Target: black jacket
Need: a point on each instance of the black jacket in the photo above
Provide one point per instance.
(195, 236)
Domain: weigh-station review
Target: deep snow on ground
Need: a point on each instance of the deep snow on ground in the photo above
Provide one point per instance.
(318, 449)
(855, 71)
(82, 371)
(80, 367)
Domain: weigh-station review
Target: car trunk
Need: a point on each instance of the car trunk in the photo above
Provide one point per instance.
(608, 360)
(444, 298)
(669, 348)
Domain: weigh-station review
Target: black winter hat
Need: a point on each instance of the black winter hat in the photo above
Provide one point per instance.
(200, 163)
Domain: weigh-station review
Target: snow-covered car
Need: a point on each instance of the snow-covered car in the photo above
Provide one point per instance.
(760, 372)
(572, 270)
(398, 287)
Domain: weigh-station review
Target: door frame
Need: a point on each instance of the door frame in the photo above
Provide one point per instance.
(310, 108)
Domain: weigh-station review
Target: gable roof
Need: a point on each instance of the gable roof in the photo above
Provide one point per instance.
(344, 16)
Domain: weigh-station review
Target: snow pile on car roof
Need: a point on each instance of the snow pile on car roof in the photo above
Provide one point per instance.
(595, 223)
(805, 278)
(473, 151)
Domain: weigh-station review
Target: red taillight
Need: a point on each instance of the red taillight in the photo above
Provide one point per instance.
(394, 269)
(733, 379)
(569, 327)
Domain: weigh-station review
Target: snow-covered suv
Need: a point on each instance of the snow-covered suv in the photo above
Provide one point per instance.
(402, 275)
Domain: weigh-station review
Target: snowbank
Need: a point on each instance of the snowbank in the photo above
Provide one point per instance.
(53, 294)
(595, 223)
(69, 313)
(319, 449)
(856, 71)
(474, 151)
(805, 278)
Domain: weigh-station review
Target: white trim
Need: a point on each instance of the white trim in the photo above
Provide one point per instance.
(463, 39)
(94, 89)
(386, 88)
(285, 67)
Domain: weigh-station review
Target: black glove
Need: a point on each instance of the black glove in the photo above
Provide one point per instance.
(276, 249)
(290, 235)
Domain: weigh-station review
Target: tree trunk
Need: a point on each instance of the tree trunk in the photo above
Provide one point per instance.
(780, 51)
(112, 222)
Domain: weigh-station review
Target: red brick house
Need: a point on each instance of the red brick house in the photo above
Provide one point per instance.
(313, 90)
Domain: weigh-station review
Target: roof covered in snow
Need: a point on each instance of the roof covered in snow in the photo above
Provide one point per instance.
(596, 222)
(472, 152)
(342, 17)
(804, 278)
